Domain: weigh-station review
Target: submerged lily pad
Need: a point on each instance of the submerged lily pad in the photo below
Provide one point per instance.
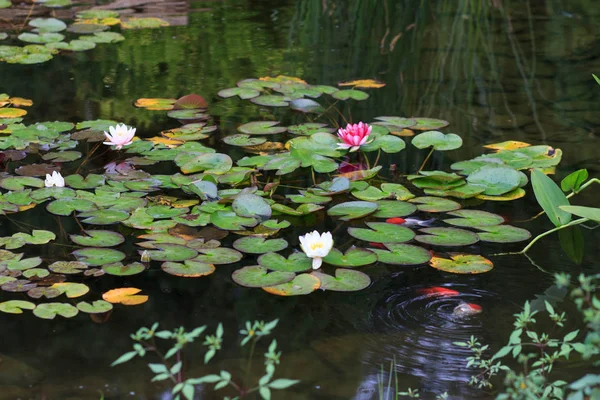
(352, 210)
(462, 264)
(402, 254)
(300, 285)
(98, 238)
(435, 204)
(472, 218)
(189, 269)
(345, 280)
(258, 245)
(256, 276)
(382, 232)
(296, 262)
(354, 257)
(502, 234)
(51, 310)
(447, 237)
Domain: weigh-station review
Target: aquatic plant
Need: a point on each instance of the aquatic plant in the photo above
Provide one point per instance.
(354, 136)
(171, 365)
(316, 246)
(119, 136)
(543, 355)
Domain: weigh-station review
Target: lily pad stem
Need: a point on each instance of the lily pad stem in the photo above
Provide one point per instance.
(425, 160)
(377, 158)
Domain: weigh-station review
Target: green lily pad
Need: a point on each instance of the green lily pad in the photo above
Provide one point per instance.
(306, 106)
(435, 204)
(335, 186)
(118, 269)
(308, 198)
(219, 255)
(67, 267)
(271, 100)
(497, 180)
(209, 163)
(465, 191)
(164, 211)
(433, 184)
(228, 220)
(437, 140)
(303, 209)
(426, 124)
(243, 140)
(502, 234)
(66, 207)
(16, 306)
(98, 257)
(71, 289)
(23, 264)
(472, 218)
(462, 264)
(63, 156)
(103, 217)
(191, 114)
(354, 257)
(296, 262)
(91, 181)
(402, 254)
(382, 232)
(51, 310)
(5, 3)
(352, 210)
(447, 237)
(241, 92)
(394, 208)
(350, 94)
(345, 280)
(20, 239)
(171, 252)
(251, 205)
(41, 38)
(309, 128)
(395, 123)
(48, 24)
(256, 276)
(189, 269)
(262, 128)
(300, 285)
(258, 245)
(17, 183)
(387, 143)
(36, 273)
(98, 238)
(97, 307)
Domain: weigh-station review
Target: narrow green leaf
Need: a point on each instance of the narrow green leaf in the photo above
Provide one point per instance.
(550, 198)
(592, 213)
(124, 358)
(282, 383)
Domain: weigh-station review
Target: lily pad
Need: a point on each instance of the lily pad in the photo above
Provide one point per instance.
(251, 205)
(71, 289)
(271, 100)
(97, 307)
(256, 276)
(98, 257)
(209, 163)
(98, 238)
(345, 280)
(257, 245)
(402, 254)
(189, 269)
(350, 94)
(17, 286)
(171, 252)
(502, 234)
(127, 296)
(472, 218)
(435, 204)
(241, 92)
(296, 262)
(352, 210)
(68, 267)
(462, 264)
(219, 255)
(382, 232)
(103, 217)
(243, 140)
(46, 292)
(118, 269)
(17, 183)
(228, 220)
(23, 264)
(394, 208)
(395, 123)
(309, 128)
(16, 306)
(437, 140)
(48, 24)
(262, 128)
(466, 191)
(496, 179)
(354, 257)
(306, 106)
(426, 124)
(191, 115)
(51, 310)
(447, 237)
(300, 285)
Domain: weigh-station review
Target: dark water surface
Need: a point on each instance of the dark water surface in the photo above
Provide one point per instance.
(520, 70)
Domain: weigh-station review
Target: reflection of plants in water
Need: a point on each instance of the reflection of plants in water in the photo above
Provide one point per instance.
(171, 365)
(545, 355)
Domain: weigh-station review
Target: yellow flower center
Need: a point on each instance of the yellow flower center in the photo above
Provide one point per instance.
(315, 246)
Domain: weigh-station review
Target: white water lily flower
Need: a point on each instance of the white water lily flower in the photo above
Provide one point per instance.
(316, 246)
(119, 136)
(55, 179)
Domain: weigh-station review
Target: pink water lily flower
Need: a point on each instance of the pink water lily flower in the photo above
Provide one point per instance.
(354, 136)
(119, 136)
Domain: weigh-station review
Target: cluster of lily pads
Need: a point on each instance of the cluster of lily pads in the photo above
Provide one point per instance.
(182, 219)
(50, 36)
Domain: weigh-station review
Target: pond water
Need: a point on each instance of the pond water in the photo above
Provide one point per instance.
(495, 70)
